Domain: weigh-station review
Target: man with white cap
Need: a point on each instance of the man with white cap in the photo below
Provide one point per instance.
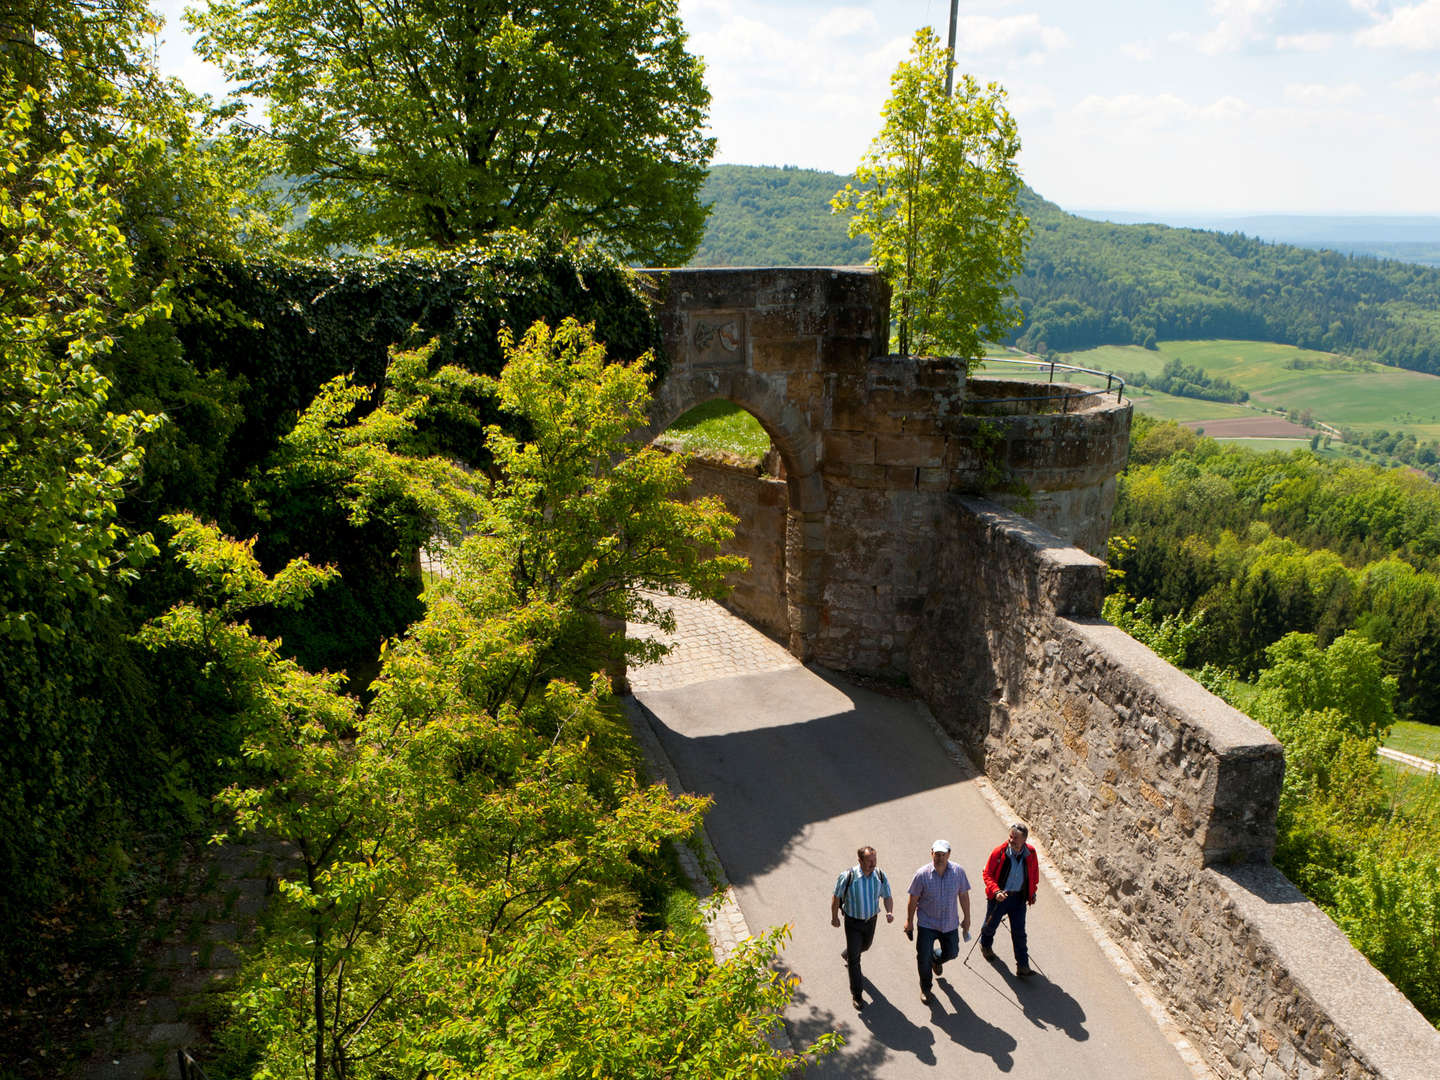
(934, 891)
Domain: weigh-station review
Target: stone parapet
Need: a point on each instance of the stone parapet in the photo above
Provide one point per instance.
(1157, 801)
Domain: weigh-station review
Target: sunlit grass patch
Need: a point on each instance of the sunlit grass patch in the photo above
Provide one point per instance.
(721, 426)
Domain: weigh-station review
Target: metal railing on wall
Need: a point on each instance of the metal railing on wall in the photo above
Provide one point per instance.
(1071, 393)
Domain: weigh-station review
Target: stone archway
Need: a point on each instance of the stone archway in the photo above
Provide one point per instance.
(875, 446)
(763, 340)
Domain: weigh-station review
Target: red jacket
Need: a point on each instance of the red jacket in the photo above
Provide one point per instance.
(997, 869)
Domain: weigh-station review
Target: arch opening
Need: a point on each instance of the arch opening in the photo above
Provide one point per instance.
(735, 454)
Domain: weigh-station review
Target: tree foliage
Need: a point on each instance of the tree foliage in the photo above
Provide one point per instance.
(464, 845)
(1221, 554)
(1091, 283)
(66, 287)
(775, 217)
(938, 196)
(1087, 283)
(442, 122)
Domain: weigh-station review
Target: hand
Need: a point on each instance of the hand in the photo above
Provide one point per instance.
(909, 933)
(1031, 901)
(834, 920)
(890, 915)
(965, 926)
(1002, 896)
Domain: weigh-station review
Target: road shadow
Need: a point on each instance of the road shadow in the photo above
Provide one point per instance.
(756, 768)
(890, 1034)
(966, 1029)
(1044, 1003)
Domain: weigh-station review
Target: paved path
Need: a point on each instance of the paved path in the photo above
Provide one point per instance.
(1419, 764)
(804, 768)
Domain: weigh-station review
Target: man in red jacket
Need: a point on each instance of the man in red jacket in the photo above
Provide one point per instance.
(1011, 874)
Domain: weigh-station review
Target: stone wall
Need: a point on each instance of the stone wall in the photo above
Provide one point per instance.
(760, 503)
(874, 445)
(1157, 801)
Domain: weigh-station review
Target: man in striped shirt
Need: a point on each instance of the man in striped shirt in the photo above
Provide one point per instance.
(858, 892)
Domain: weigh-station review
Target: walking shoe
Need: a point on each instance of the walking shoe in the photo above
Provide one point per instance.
(986, 951)
(1023, 969)
(936, 966)
(859, 1003)
(845, 957)
(927, 997)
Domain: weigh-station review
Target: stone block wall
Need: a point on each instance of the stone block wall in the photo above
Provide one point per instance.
(760, 503)
(1157, 801)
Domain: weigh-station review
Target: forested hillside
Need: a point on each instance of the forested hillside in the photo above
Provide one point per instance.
(1094, 283)
(764, 216)
(1306, 591)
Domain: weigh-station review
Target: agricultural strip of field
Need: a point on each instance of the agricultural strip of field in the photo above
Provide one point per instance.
(1335, 389)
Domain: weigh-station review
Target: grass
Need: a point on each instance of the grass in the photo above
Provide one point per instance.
(719, 426)
(1410, 737)
(1265, 445)
(1336, 389)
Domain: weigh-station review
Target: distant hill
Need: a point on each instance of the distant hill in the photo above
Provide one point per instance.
(1092, 283)
(764, 216)
(1409, 239)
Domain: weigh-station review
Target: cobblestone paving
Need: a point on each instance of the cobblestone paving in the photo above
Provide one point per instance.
(708, 643)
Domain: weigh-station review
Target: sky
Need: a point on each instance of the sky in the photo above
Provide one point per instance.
(1186, 107)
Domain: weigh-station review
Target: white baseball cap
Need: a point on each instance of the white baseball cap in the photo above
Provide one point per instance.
(941, 845)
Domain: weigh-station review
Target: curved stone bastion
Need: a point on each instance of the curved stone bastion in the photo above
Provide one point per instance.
(870, 448)
(942, 532)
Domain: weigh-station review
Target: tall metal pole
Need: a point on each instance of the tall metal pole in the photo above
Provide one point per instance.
(950, 68)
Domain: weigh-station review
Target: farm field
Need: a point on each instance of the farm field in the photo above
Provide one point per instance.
(1410, 737)
(1338, 390)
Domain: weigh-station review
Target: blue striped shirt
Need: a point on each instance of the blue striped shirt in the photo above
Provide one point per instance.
(863, 899)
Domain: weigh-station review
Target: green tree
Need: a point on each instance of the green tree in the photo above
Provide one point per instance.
(443, 121)
(938, 196)
(464, 845)
(66, 288)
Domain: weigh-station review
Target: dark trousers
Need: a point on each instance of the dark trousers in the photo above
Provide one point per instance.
(859, 933)
(1014, 906)
(931, 945)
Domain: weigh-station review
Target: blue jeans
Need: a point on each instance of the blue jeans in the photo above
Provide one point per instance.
(1013, 905)
(926, 951)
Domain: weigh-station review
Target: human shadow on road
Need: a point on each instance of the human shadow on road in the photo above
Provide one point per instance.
(892, 1033)
(1044, 1003)
(967, 1029)
(889, 1031)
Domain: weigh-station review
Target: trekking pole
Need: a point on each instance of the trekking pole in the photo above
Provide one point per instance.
(1003, 916)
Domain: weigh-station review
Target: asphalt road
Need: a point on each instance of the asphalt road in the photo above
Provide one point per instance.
(803, 770)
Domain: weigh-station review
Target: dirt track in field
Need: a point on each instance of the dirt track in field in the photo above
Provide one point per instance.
(1245, 427)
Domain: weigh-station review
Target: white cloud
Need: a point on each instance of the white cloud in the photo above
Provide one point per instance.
(1317, 95)
(1314, 42)
(847, 22)
(1419, 82)
(1413, 28)
(1240, 23)
(1015, 35)
(1142, 51)
(1156, 112)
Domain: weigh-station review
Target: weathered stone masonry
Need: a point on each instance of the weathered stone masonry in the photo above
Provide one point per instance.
(1155, 798)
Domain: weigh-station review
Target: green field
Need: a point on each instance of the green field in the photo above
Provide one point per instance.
(1337, 390)
(1422, 740)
